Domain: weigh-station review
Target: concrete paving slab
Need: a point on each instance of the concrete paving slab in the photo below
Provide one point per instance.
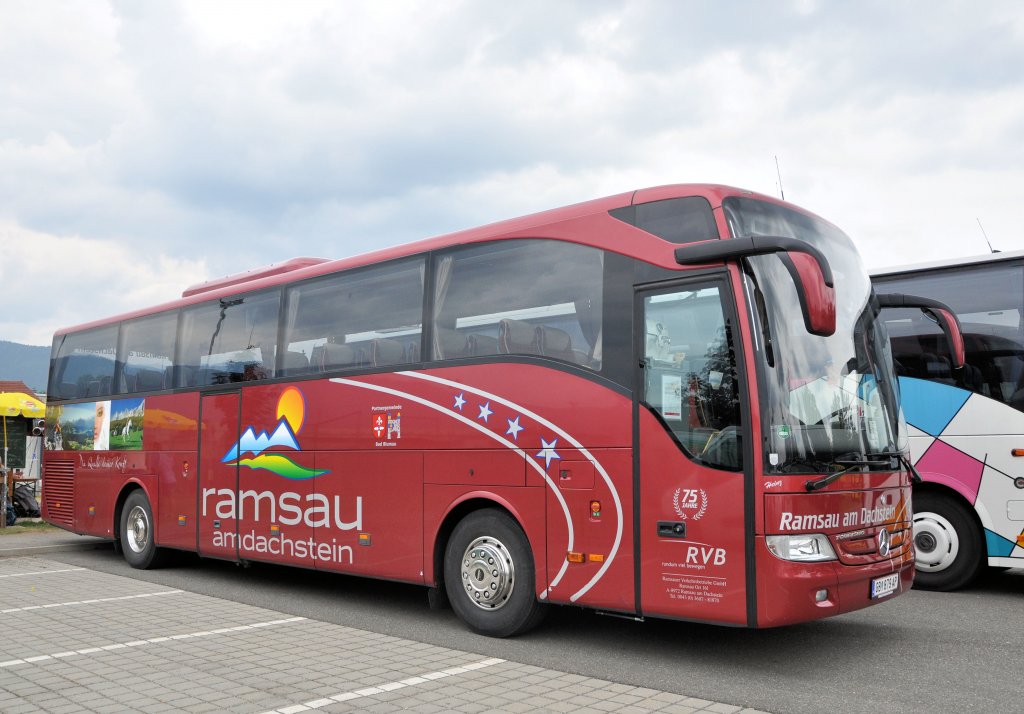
(95, 642)
(16, 542)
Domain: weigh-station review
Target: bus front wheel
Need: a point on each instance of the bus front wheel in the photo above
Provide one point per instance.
(489, 575)
(136, 533)
(947, 541)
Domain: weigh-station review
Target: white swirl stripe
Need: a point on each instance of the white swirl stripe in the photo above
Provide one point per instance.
(579, 447)
(500, 439)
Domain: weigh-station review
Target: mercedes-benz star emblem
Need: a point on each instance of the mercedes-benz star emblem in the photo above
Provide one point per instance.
(883, 543)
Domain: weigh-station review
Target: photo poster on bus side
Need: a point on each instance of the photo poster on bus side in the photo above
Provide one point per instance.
(114, 425)
(672, 397)
(126, 424)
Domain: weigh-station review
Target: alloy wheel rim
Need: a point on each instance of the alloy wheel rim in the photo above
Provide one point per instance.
(138, 529)
(488, 573)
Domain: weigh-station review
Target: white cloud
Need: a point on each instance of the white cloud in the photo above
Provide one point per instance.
(234, 134)
(56, 281)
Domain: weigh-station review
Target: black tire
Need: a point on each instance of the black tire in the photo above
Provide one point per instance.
(488, 556)
(948, 542)
(136, 535)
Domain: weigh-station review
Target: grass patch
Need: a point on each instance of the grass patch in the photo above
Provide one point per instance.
(23, 525)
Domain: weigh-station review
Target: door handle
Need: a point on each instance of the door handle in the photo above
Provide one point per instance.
(672, 529)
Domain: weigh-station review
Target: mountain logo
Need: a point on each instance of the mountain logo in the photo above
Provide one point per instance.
(291, 411)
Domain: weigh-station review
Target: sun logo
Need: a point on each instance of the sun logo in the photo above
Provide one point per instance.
(291, 413)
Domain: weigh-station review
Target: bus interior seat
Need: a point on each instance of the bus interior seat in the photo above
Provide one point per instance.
(972, 379)
(1016, 400)
(333, 356)
(556, 343)
(937, 367)
(480, 345)
(517, 337)
(451, 343)
(386, 351)
(294, 363)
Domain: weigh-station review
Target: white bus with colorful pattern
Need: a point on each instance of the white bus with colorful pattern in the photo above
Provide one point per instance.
(966, 425)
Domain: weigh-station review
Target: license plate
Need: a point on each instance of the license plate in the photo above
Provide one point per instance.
(880, 587)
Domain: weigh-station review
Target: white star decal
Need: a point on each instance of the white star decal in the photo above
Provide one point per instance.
(548, 453)
(459, 401)
(485, 411)
(514, 428)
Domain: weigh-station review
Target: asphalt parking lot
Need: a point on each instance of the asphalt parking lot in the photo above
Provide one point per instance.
(77, 640)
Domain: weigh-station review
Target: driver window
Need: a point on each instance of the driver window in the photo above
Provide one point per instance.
(690, 373)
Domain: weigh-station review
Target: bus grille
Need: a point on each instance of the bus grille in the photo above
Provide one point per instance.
(59, 492)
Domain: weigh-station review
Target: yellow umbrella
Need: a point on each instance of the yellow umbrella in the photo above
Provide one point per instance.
(14, 404)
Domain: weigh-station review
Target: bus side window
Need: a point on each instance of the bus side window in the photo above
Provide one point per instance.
(690, 375)
(520, 297)
(147, 353)
(228, 340)
(362, 318)
(84, 366)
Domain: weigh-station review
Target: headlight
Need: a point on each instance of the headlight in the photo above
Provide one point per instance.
(810, 548)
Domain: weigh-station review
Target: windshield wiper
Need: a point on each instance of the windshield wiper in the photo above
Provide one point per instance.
(915, 477)
(851, 461)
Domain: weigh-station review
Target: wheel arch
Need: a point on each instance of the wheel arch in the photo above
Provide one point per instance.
(127, 490)
(948, 491)
(456, 512)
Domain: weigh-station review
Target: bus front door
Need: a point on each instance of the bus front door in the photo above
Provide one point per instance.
(692, 532)
(218, 475)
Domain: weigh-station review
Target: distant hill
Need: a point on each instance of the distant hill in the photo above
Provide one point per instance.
(28, 363)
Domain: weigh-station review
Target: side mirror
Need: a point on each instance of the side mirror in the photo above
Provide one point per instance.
(938, 311)
(807, 265)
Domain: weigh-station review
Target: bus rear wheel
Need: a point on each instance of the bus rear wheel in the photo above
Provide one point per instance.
(490, 576)
(947, 541)
(136, 533)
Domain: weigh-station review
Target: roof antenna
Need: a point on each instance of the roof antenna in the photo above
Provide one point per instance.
(782, 194)
(987, 242)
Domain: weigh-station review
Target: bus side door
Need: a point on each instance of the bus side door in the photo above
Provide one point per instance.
(218, 480)
(692, 533)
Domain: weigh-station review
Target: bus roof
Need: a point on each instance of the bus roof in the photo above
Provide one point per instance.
(575, 223)
(949, 263)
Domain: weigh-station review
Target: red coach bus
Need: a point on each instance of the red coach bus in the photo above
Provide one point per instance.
(677, 402)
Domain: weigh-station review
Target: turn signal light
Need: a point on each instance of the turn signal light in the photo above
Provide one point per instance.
(574, 557)
(1017, 452)
(596, 558)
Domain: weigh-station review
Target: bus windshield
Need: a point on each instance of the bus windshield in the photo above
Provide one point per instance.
(825, 402)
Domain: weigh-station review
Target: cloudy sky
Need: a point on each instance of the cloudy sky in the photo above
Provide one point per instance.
(145, 146)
